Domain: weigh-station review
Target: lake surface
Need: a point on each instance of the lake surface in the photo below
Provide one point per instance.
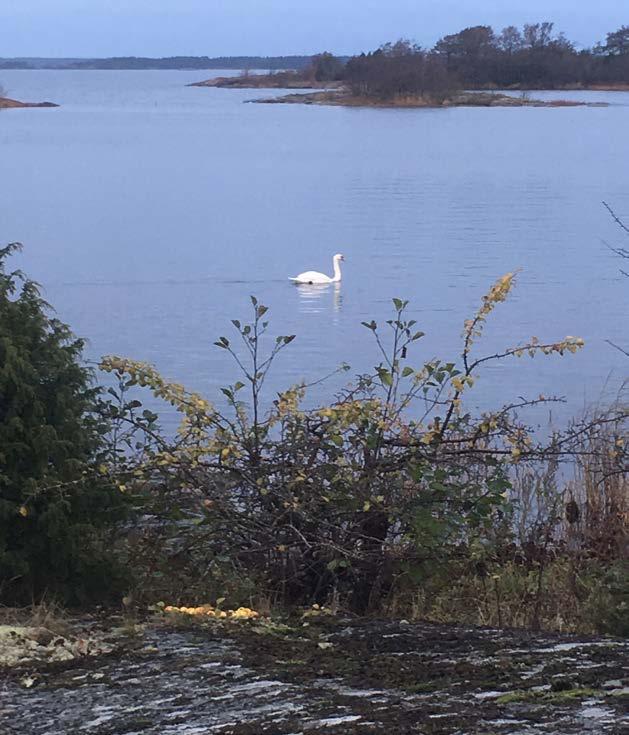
(150, 211)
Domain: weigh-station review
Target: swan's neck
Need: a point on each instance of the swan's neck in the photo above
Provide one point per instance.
(337, 270)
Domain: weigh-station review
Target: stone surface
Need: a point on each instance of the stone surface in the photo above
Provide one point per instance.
(374, 677)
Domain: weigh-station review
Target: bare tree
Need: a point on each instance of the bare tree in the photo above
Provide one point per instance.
(617, 42)
(510, 40)
(620, 252)
(538, 35)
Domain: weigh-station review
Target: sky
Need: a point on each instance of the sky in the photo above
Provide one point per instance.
(86, 28)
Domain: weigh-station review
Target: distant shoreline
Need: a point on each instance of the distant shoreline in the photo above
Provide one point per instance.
(9, 104)
(166, 63)
(570, 88)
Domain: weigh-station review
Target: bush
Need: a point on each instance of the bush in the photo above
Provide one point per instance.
(349, 501)
(53, 502)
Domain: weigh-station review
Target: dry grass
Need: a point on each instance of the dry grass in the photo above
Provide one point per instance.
(45, 614)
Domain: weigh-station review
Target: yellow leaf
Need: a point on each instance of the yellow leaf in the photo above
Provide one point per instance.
(23, 511)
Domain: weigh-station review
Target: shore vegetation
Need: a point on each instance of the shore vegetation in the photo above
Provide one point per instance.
(389, 498)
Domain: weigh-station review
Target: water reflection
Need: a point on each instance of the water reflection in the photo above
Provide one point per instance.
(315, 297)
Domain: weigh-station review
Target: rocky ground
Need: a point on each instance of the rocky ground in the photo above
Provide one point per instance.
(321, 675)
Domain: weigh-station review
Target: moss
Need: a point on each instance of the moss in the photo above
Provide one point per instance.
(567, 695)
(424, 686)
(292, 662)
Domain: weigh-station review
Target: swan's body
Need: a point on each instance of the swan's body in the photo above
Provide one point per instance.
(314, 277)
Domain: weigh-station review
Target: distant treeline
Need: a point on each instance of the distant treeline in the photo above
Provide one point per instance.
(171, 62)
(534, 57)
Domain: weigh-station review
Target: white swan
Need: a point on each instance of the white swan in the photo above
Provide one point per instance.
(313, 277)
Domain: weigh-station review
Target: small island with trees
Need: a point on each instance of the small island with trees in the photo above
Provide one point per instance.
(462, 69)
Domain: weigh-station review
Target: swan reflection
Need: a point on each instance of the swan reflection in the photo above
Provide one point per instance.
(315, 297)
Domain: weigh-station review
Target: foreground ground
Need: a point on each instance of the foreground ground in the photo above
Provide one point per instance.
(327, 676)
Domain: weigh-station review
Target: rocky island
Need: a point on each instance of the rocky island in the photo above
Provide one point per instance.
(339, 94)
(7, 104)
(344, 97)
(398, 75)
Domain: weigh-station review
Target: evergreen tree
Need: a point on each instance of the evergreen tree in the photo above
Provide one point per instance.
(54, 504)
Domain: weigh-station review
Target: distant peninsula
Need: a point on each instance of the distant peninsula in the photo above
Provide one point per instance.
(7, 104)
(279, 80)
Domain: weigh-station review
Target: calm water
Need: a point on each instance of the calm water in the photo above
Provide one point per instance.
(150, 211)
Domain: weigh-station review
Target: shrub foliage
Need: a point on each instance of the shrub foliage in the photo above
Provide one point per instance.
(348, 501)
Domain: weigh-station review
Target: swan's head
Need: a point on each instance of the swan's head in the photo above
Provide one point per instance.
(339, 257)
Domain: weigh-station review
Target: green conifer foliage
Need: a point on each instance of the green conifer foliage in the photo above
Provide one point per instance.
(54, 506)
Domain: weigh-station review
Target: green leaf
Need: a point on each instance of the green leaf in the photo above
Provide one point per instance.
(337, 439)
(407, 371)
(385, 377)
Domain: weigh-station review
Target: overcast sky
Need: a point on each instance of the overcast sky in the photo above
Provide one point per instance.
(270, 27)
